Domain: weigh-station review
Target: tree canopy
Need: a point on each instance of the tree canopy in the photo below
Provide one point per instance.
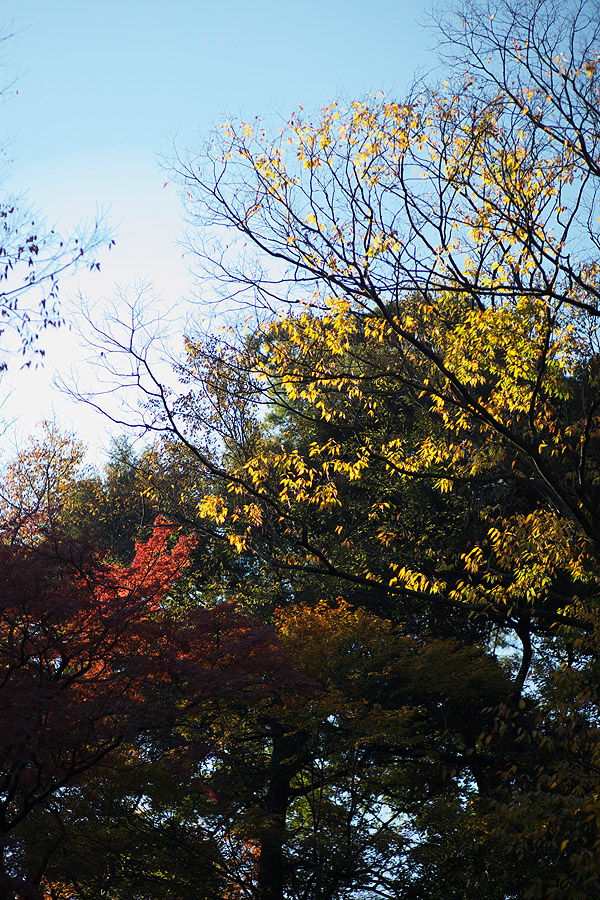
(378, 675)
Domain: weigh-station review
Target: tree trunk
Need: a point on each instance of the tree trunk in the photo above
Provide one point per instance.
(284, 764)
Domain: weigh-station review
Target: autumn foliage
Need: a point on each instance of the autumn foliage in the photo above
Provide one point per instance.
(393, 464)
(83, 647)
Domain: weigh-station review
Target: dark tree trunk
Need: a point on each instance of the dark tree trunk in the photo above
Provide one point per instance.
(285, 762)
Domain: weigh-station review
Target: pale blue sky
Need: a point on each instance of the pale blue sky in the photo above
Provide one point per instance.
(103, 88)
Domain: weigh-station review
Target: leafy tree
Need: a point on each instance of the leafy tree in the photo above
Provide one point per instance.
(94, 656)
(50, 482)
(38, 484)
(313, 792)
(113, 504)
(66, 623)
(461, 302)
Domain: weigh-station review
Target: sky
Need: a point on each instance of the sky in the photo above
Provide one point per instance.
(98, 92)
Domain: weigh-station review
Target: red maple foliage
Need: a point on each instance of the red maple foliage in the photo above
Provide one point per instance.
(84, 647)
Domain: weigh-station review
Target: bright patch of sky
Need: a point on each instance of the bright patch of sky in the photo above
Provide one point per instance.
(102, 89)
